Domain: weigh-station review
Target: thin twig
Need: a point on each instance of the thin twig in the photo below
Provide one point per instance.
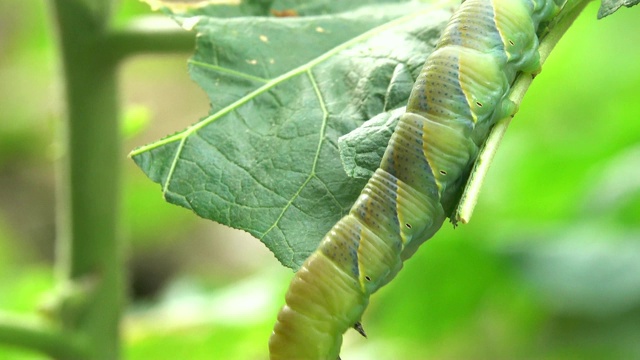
(521, 85)
(31, 334)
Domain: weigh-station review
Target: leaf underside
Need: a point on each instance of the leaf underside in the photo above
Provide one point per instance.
(282, 91)
(608, 7)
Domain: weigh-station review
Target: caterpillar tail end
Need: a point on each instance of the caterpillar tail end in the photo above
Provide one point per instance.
(312, 329)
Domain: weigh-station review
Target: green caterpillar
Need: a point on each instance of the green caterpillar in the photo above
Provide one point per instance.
(459, 95)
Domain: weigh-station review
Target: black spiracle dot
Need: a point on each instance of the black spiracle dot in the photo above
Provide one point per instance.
(408, 225)
(479, 103)
(443, 172)
(512, 43)
(367, 278)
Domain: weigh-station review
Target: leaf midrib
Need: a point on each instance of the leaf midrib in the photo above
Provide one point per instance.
(269, 84)
(276, 81)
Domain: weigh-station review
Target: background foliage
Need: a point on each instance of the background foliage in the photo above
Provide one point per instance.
(548, 266)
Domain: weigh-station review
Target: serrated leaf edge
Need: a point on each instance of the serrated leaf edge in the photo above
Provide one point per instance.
(312, 173)
(301, 70)
(276, 81)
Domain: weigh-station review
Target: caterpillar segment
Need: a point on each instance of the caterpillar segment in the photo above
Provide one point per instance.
(460, 93)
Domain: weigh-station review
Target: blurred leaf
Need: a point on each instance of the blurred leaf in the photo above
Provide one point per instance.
(136, 119)
(580, 274)
(266, 159)
(233, 322)
(608, 7)
(615, 185)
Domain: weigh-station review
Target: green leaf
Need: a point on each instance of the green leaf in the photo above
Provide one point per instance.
(323, 7)
(608, 7)
(282, 91)
(362, 149)
(280, 8)
(215, 8)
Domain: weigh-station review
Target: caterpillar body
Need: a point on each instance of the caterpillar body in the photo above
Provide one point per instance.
(460, 93)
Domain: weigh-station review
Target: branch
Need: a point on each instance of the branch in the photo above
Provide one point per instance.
(149, 36)
(31, 334)
(519, 88)
(89, 238)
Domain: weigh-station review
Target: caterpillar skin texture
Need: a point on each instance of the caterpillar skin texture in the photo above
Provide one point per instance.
(460, 93)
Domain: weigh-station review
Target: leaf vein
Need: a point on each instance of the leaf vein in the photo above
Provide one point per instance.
(276, 81)
(312, 173)
(228, 71)
(165, 186)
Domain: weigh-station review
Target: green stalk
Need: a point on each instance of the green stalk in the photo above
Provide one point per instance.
(469, 198)
(89, 239)
(33, 335)
(90, 296)
(89, 247)
(133, 41)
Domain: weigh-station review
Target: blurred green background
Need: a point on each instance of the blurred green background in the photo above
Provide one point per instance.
(548, 268)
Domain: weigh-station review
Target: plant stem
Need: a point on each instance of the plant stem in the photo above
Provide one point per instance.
(133, 41)
(572, 9)
(32, 335)
(88, 243)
